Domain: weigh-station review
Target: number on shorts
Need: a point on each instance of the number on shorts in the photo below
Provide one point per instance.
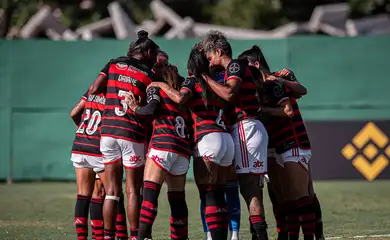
(93, 124)
(180, 127)
(118, 111)
(219, 120)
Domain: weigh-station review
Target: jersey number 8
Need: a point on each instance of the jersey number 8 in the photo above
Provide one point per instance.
(93, 123)
(180, 127)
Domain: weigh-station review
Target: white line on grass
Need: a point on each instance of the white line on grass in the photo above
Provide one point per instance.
(361, 236)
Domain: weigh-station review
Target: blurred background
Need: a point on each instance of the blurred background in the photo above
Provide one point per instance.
(51, 51)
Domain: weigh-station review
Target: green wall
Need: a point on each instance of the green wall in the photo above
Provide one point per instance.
(41, 80)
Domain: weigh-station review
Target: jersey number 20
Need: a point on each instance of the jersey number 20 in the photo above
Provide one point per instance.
(93, 123)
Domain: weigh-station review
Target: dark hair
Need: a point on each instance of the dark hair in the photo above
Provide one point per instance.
(197, 65)
(142, 44)
(172, 77)
(215, 40)
(255, 55)
(162, 53)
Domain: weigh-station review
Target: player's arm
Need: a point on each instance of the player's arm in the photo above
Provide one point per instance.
(153, 99)
(179, 97)
(77, 110)
(283, 110)
(235, 74)
(101, 81)
(289, 80)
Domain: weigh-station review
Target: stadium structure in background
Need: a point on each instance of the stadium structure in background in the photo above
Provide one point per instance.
(331, 19)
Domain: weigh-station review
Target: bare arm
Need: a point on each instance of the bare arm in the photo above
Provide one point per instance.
(179, 97)
(99, 84)
(77, 111)
(228, 91)
(284, 110)
(290, 81)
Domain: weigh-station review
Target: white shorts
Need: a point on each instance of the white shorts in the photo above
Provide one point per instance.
(297, 155)
(217, 147)
(86, 161)
(173, 163)
(250, 141)
(132, 154)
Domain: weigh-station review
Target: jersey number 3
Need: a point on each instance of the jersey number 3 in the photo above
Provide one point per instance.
(93, 123)
(118, 111)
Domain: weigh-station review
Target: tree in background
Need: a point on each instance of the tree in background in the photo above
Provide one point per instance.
(257, 14)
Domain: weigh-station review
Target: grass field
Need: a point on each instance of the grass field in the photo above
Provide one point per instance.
(45, 211)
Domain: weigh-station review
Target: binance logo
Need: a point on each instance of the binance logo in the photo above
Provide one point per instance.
(368, 151)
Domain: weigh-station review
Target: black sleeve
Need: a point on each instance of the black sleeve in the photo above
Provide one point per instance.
(152, 99)
(274, 93)
(236, 70)
(85, 96)
(104, 71)
(189, 83)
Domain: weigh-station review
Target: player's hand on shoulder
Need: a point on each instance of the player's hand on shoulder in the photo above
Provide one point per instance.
(155, 84)
(287, 73)
(132, 101)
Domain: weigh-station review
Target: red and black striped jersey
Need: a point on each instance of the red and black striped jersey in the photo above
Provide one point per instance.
(246, 103)
(124, 74)
(287, 133)
(273, 96)
(207, 114)
(170, 124)
(87, 141)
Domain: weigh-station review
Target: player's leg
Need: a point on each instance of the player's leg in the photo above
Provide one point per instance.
(96, 210)
(233, 203)
(154, 176)
(296, 195)
(176, 180)
(275, 171)
(319, 229)
(203, 217)
(211, 179)
(85, 178)
(112, 158)
(134, 162)
(121, 225)
(250, 141)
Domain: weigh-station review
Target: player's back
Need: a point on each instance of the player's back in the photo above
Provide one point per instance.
(247, 102)
(87, 140)
(124, 74)
(206, 109)
(170, 125)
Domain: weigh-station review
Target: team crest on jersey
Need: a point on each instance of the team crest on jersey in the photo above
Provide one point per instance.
(186, 81)
(278, 90)
(121, 66)
(234, 67)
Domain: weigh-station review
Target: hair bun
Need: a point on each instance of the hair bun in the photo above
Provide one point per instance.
(142, 34)
(255, 47)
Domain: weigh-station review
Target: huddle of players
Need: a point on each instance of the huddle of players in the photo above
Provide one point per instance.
(236, 124)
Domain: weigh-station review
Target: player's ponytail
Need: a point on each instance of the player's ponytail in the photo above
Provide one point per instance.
(255, 54)
(171, 77)
(198, 65)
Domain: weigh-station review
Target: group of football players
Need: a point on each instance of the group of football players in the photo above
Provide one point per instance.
(238, 120)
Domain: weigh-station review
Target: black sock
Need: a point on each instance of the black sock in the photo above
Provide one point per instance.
(81, 216)
(148, 208)
(109, 234)
(259, 227)
(96, 212)
(292, 220)
(121, 226)
(179, 215)
(319, 230)
(307, 217)
(216, 212)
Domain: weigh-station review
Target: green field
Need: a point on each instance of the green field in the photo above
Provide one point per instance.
(45, 211)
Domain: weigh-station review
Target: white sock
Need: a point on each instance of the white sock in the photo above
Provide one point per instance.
(235, 235)
(208, 236)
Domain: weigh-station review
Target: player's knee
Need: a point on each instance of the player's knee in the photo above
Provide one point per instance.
(99, 191)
